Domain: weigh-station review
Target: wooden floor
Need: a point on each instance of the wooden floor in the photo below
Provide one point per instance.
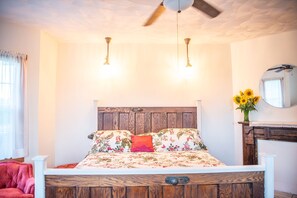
(278, 194)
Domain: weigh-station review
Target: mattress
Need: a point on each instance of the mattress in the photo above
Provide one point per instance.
(172, 159)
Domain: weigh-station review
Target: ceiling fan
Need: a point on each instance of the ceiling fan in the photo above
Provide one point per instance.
(179, 5)
(281, 68)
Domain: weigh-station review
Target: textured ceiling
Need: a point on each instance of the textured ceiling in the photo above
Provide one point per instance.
(92, 20)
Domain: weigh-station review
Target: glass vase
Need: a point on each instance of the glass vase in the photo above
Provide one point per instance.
(246, 116)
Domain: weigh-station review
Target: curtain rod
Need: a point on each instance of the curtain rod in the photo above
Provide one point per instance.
(13, 54)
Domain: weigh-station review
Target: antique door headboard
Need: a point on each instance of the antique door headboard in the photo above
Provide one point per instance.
(146, 119)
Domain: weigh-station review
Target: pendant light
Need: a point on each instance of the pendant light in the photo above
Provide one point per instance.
(107, 39)
(187, 41)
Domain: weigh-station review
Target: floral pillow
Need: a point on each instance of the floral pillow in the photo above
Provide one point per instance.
(177, 139)
(111, 141)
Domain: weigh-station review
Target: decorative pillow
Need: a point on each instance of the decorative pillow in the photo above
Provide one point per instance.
(142, 143)
(177, 139)
(111, 141)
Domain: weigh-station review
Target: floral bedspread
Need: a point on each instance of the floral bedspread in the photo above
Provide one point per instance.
(199, 158)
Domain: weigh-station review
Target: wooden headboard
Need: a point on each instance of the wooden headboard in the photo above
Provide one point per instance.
(146, 119)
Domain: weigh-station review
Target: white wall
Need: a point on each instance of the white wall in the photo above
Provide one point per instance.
(250, 59)
(25, 40)
(285, 163)
(47, 97)
(147, 75)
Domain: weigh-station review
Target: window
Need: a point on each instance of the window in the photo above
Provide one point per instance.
(12, 106)
(273, 92)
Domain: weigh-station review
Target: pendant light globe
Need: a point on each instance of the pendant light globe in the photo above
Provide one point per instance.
(178, 5)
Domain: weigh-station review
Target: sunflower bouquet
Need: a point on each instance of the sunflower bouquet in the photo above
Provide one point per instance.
(246, 102)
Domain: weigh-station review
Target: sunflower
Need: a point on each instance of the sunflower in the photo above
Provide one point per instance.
(241, 93)
(256, 99)
(243, 100)
(236, 99)
(249, 93)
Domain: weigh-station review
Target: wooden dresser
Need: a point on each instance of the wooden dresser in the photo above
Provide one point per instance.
(253, 131)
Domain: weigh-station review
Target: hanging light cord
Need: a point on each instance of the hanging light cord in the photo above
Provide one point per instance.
(177, 47)
(177, 33)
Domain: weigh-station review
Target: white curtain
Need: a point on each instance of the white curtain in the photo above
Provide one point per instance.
(13, 127)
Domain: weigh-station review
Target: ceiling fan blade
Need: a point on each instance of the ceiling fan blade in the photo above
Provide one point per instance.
(160, 9)
(281, 68)
(206, 8)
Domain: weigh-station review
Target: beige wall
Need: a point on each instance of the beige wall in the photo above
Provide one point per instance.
(147, 75)
(250, 59)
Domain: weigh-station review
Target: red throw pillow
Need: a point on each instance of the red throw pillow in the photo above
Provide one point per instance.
(142, 143)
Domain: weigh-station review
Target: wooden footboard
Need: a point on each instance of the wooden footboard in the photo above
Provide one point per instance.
(204, 185)
(230, 181)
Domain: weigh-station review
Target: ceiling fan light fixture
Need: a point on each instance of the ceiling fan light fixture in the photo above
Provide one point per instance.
(178, 5)
(282, 67)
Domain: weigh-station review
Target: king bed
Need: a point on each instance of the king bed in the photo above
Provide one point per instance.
(173, 161)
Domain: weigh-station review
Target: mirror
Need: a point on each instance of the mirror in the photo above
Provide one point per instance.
(278, 86)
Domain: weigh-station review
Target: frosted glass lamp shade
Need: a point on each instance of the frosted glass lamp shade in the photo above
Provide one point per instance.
(178, 5)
